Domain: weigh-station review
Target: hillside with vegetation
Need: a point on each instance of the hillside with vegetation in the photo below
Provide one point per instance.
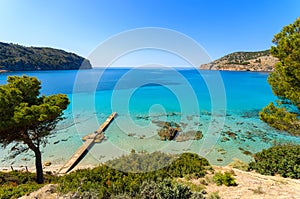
(243, 61)
(14, 57)
(182, 176)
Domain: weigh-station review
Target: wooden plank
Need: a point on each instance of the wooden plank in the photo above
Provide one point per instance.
(97, 136)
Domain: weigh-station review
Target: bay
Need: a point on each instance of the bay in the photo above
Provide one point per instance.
(223, 105)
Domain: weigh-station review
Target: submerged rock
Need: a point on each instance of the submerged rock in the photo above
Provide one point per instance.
(56, 142)
(146, 117)
(189, 117)
(225, 139)
(232, 135)
(190, 135)
(168, 130)
(247, 153)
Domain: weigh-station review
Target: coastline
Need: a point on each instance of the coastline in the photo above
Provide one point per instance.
(254, 71)
(53, 168)
(243, 134)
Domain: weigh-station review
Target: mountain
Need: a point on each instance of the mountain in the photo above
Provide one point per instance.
(15, 57)
(243, 61)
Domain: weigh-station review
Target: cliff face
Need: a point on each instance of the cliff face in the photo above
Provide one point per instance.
(243, 61)
(14, 57)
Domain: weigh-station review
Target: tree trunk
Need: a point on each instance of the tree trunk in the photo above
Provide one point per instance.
(39, 166)
(38, 157)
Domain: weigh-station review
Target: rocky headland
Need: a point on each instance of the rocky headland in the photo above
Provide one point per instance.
(14, 57)
(243, 61)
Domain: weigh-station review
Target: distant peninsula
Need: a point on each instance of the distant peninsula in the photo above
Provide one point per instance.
(243, 61)
(14, 57)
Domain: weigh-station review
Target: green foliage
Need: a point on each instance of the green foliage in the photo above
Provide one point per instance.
(238, 164)
(18, 58)
(141, 162)
(110, 182)
(15, 184)
(165, 189)
(16, 177)
(11, 191)
(194, 187)
(188, 163)
(25, 115)
(280, 118)
(285, 80)
(224, 179)
(107, 182)
(243, 57)
(27, 118)
(283, 160)
(214, 195)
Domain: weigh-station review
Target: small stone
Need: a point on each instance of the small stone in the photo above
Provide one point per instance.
(47, 163)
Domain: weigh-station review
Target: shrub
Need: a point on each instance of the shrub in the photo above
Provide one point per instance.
(188, 163)
(15, 184)
(283, 160)
(239, 164)
(227, 179)
(280, 118)
(167, 190)
(214, 195)
(12, 191)
(112, 182)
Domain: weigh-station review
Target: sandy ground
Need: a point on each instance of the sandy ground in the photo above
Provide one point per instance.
(252, 185)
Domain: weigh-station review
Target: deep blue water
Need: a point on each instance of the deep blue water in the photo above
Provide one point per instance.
(211, 101)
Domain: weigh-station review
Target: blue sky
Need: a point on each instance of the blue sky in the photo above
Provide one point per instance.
(221, 27)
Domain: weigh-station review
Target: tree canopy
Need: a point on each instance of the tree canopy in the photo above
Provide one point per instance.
(26, 118)
(285, 81)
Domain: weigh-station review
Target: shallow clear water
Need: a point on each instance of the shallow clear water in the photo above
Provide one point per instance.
(223, 105)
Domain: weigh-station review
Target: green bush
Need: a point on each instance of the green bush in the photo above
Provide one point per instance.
(224, 179)
(280, 118)
(110, 182)
(283, 160)
(15, 184)
(214, 195)
(164, 189)
(238, 164)
(188, 163)
(12, 191)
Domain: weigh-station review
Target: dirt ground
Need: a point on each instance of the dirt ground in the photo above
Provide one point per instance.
(252, 185)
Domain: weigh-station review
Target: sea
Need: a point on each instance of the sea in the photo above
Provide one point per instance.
(223, 105)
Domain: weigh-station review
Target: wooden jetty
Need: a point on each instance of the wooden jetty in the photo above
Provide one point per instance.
(89, 139)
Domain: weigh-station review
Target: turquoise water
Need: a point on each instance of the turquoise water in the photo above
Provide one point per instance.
(223, 105)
